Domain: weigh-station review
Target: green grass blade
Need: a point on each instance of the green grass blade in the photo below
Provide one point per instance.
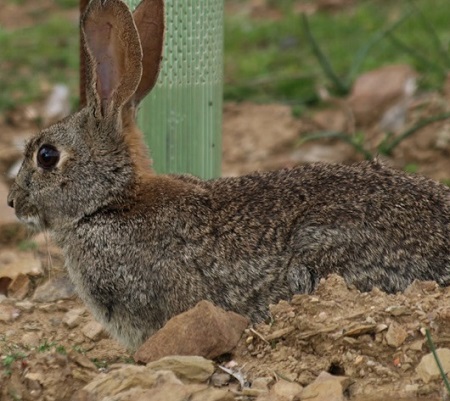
(417, 55)
(350, 139)
(421, 124)
(440, 48)
(436, 358)
(327, 68)
(362, 53)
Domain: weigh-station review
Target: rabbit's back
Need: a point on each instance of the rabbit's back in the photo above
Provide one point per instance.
(374, 225)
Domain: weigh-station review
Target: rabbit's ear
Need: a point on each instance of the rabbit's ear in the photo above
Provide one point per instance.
(149, 19)
(114, 55)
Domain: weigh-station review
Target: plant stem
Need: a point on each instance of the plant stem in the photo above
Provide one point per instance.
(341, 87)
(373, 40)
(421, 124)
(436, 358)
(418, 56)
(434, 36)
(343, 137)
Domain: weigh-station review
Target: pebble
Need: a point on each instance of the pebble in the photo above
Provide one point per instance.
(73, 317)
(220, 379)
(26, 306)
(398, 310)
(326, 387)
(396, 335)
(262, 383)
(287, 390)
(253, 392)
(19, 287)
(55, 321)
(189, 368)
(93, 330)
(48, 307)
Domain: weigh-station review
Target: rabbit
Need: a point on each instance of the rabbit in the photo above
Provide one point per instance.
(141, 247)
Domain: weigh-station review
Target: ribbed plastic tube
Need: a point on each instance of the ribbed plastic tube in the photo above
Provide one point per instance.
(182, 117)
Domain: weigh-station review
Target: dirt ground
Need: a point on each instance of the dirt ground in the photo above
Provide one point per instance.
(48, 351)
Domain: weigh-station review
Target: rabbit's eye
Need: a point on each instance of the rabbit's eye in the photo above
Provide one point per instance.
(47, 157)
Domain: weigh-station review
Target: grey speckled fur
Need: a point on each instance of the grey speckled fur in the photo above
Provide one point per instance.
(141, 247)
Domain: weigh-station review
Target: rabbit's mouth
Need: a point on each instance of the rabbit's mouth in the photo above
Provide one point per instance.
(29, 216)
(25, 212)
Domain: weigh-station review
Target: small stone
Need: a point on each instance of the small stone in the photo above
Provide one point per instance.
(205, 330)
(220, 379)
(381, 327)
(19, 287)
(288, 391)
(8, 313)
(398, 310)
(26, 306)
(93, 330)
(48, 307)
(262, 383)
(428, 369)
(189, 368)
(74, 317)
(417, 345)
(55, 321)
(211, 394)
(253, 392)
(34, 381)
(32, 339)
(396, 335)
(54, 289)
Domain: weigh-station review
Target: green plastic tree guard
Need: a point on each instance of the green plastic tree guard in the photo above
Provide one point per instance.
(182, 117)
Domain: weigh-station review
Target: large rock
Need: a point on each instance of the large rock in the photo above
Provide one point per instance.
(383, 95)
(428, 369)
(204, 330)
(143, 383)
(326, 387)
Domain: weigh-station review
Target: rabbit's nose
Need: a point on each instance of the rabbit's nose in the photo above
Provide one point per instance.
(10, 200)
